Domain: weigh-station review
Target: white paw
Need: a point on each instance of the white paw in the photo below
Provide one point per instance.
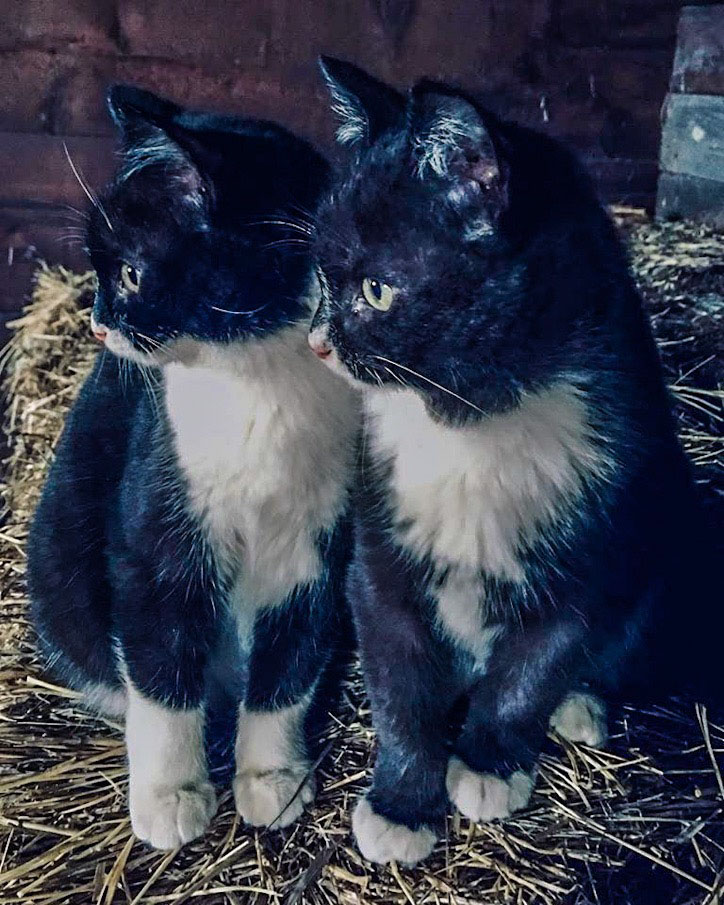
(273, 798)
(484, 796)
(581, 718)
(168, 818)
(381, 841)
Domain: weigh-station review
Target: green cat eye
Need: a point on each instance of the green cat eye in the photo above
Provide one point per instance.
(377, 294)
(130, 277)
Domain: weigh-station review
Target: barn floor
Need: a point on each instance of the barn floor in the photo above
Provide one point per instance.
(642, 822)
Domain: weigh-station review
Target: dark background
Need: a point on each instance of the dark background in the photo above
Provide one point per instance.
(592, 71)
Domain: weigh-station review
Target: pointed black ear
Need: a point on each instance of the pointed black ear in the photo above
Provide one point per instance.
(365, 106)
(126, 103)
(452, 140)
(152, 138)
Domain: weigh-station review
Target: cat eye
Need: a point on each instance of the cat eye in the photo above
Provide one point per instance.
(130, 277)
(377, 294)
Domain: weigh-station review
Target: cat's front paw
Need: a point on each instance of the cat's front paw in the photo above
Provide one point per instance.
(484, 796)
(169, 817)
(273, 798)
(381, 840)
(581, 717)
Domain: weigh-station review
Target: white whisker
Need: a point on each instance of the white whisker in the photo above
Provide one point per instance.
(306, 228)
(84, 185)
(438, 386)
(247, 313)
(396, 377)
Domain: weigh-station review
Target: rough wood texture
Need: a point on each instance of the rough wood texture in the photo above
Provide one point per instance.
(699, 60)
(690, 198)
(691, 184)
(693, 137)
(41, 173)
(593, 72)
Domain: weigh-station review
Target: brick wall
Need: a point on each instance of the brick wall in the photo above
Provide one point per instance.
(592, 71)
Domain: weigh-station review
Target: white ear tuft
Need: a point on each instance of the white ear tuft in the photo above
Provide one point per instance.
(353, 126)
(440, 142)
(365, 106)
(153, 147)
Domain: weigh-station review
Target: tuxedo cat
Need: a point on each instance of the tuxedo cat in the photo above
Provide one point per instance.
(522, 493)
(190, 541)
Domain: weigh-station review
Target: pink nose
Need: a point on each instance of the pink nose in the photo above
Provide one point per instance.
(319, 343)
(100, 334)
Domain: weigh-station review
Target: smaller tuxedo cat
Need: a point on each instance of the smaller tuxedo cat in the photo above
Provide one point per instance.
(522, 495)
(190, 543)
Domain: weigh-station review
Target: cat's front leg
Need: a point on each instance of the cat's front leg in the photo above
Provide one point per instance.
(409, 681)
(274, 778)
(400, 817)
(170, 797)
(165, 628)
(492, 772)
(291, 646)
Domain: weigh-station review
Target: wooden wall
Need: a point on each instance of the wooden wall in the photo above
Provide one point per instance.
(592, 71)
(691, 183)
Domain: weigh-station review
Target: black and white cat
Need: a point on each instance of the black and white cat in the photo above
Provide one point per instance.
(190, 541)
(519, 515)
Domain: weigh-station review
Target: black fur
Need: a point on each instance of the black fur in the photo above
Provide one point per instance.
(212, 210)
(206, 209)
(508, 278)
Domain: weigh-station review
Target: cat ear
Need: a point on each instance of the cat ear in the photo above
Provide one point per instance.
(127, 102)
(451, 140)
(152, 137)
(365, 106)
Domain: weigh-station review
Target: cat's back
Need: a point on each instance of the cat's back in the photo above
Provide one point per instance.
(93, 447)
(66, 566)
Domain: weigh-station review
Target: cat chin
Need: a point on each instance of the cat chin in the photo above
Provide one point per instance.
(122, 347)
(335, 364)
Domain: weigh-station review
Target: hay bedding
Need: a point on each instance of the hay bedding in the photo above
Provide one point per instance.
(640, 822)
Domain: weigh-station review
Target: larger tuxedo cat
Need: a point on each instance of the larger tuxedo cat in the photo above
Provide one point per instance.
(525, 513)
(190, 539)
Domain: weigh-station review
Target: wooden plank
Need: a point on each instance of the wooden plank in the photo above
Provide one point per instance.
(35, 168)
(30, 233)
(55, 234)
(624, 180)
(699, 60)
(690, 198)
(5, 334)
(692, 141)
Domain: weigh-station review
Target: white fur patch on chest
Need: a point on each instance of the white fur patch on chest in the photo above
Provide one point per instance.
(265, 436)
(461, 614)
(475, 496)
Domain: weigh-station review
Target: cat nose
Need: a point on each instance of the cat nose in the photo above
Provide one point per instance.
(319, 342)
(98, 330)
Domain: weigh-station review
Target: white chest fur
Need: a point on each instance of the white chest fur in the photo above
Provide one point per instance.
(265, 437)
(473, 497)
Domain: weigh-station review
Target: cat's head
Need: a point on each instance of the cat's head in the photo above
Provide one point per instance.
(425, 245)
(203, 232)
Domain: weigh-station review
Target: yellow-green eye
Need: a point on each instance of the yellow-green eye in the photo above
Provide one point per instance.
(377, 294)
(130, 277)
